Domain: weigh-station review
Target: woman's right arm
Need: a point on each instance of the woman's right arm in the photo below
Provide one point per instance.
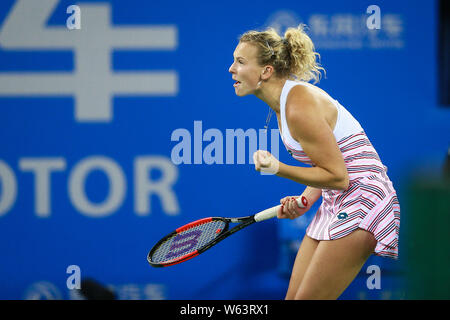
(289, 207)
(312, 194)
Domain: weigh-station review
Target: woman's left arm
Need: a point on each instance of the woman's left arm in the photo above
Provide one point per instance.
(308, 127)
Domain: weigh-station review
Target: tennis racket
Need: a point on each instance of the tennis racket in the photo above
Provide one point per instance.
(196, 237)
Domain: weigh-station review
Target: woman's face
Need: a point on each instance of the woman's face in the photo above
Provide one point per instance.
(245, 69)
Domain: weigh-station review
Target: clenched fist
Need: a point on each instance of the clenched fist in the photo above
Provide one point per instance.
(290, 209)
(265, 162)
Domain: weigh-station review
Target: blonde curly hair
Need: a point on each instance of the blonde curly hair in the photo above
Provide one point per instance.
(292, 57)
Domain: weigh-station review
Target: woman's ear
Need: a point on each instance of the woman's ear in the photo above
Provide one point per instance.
(266, 72)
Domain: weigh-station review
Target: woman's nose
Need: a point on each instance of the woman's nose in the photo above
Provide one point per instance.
(231, 70)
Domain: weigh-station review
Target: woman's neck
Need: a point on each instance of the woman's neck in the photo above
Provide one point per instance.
(270, 93)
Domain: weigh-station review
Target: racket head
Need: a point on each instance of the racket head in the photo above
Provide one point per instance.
(187, 241)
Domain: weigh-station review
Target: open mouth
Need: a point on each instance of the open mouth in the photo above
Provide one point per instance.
(236, 84)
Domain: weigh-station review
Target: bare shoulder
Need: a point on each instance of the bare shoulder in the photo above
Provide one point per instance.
(307, 104)
(301, 103)
(299, 95)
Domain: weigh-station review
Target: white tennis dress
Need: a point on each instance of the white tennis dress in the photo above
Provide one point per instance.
(369, 203)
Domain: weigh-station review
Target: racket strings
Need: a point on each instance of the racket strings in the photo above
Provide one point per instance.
(187, 241)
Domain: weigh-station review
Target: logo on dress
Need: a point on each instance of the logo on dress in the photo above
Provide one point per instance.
(290, 152)
(342, 216)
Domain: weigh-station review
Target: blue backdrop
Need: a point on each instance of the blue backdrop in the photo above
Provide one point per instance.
(89, 119)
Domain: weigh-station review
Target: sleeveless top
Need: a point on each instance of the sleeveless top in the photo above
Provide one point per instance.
(370, 202)
(361, 158)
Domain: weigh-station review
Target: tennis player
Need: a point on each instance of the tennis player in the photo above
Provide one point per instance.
(360, 213)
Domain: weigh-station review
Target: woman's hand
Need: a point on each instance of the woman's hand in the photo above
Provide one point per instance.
(290, 208)
(265, 162)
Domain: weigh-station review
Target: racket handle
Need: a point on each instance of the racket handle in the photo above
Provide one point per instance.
(272, 212)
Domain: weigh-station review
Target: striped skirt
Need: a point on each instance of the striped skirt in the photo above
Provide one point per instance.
(370, 203)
